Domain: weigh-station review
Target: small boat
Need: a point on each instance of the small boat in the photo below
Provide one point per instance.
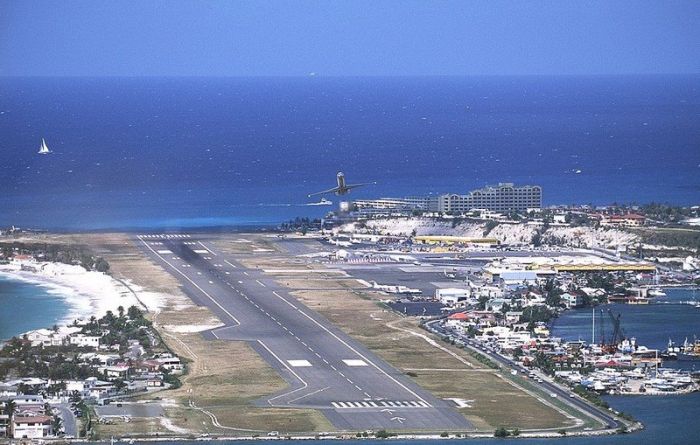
(656, 292)
(43, 148)
(690, 351)
(322, 202)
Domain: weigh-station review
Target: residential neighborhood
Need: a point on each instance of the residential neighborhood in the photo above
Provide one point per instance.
(51, 379)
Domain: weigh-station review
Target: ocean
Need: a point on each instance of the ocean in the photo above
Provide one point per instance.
(178, 153)
(25, 306)
(156, 153)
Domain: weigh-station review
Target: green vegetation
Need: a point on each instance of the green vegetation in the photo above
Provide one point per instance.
(686, 238)
(52, 362)
(59, 253)
(481, 358)
(536, 239)
(667, 213)
(132, 325)
(383, 434)
(533, 314)
(592, 397)
(501, 432)
(489, 226)
(63, 362)
(554, 293)
(300, 225)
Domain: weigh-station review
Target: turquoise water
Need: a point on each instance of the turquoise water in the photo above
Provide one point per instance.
(671, 419)
(25, 306)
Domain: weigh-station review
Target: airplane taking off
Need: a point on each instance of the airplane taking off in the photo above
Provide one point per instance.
(342, 188)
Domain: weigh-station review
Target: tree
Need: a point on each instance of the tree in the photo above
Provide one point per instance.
(120, 309)
(536, 239)
(101, 265)
(517, 353)
(501, 432)
(10, 408)
(56, 424)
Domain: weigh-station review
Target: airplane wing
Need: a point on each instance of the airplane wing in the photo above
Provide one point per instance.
(352, 186)
(333, 190)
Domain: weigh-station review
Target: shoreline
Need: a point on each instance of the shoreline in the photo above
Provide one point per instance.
(86, 293)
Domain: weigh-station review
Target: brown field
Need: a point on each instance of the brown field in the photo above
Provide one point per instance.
(225, 377)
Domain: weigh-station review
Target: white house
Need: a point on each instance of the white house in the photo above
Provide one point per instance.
(48, 337)
(172, 364)
(31, 427)
(572, 300)
(82, 340)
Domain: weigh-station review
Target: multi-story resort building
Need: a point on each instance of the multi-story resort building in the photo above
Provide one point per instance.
(504, 197)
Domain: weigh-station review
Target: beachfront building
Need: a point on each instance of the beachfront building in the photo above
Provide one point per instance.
(504, 197)
(628, 220)
(85, 341)
(50, 337)
(31, 427)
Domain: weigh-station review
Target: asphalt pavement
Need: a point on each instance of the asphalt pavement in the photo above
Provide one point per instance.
(325, 368)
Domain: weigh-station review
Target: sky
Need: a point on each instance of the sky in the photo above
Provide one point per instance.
(348, 38)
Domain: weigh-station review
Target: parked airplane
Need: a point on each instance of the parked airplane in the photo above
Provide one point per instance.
(395, 289)
(342, 188)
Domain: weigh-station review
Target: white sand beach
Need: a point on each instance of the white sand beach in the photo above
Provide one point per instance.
(87, 293)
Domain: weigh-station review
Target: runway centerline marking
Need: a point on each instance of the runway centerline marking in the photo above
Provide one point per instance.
(193, 283)
(351, 348)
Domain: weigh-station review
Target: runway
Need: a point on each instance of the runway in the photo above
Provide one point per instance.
(325, 368)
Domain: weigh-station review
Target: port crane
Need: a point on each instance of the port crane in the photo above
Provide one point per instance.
(618, 334)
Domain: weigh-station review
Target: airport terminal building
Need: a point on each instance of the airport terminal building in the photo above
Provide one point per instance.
(504, 197)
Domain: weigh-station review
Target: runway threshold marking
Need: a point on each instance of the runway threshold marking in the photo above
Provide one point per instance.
(351, 348)
(372, 404)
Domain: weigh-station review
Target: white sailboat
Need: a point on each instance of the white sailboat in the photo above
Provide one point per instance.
(43, 148)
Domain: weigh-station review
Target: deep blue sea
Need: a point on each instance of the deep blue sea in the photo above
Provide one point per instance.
(182, 152)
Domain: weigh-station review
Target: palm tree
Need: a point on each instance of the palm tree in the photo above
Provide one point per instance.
(56, 425)
(10, 407)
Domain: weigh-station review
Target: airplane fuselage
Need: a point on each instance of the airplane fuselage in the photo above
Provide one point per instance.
(342, 189)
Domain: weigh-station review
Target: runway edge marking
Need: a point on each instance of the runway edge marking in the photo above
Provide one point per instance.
(351, 348)
(193, 283)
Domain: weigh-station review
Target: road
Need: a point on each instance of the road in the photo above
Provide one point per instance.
(325, 368)
(563, 394)
(70, 426)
